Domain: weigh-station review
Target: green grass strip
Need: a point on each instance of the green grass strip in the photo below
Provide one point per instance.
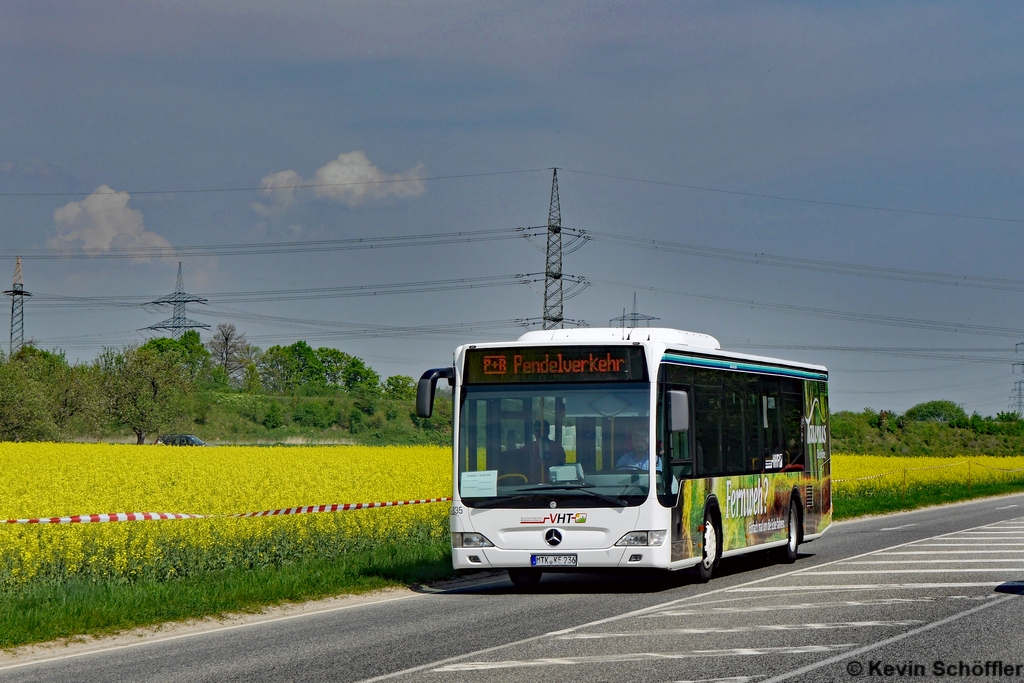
(881, 500)
(43, 612)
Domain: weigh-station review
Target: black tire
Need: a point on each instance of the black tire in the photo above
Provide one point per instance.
(789, 551)
(524, 577)
(709, 549)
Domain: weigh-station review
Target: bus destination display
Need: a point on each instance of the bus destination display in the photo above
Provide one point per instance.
(556, 364)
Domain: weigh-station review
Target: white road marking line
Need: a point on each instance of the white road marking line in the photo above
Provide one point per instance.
(989, 539)
(872, 586)
(639, 657)
(971, 597)
(1006, 507)
(894, 528)
(946, 552)
(780, 608)
(730, 679)
(951, 570)
(963, 545)
(958, 560)
(824, 626)
(874, 646)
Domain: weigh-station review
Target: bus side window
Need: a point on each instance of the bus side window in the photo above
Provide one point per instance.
(682, 459)
(771, 423)
(792, 413)
(733, 452)
(708, 423)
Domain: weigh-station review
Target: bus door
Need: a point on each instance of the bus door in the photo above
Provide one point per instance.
(675, 465)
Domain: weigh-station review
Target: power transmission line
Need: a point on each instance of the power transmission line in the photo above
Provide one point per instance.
(941, 353)
(895, 321)
(985, 383)
(57, 301)
(297, 247)
(800, 200)
(701, 188)
(818, 265)
(204, 190)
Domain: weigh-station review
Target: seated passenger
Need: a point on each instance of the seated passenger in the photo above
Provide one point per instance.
(542, 452)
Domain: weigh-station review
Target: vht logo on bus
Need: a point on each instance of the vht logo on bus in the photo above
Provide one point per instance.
(557, 518)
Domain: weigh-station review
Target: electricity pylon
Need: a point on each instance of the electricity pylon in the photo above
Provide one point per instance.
(179, 322)
(633, 319)
(17, 294)
(1017, 398)
(553, 261)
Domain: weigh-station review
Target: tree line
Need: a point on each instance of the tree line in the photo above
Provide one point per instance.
(165, 383)
(929, 428)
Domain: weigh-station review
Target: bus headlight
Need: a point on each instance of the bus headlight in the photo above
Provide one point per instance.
(470, 540)
(642, 538)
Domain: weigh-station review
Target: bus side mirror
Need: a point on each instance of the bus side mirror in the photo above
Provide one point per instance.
(678, 411)
(426, 388)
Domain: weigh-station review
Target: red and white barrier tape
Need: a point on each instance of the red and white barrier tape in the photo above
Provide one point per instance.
(147, 516)
(335, 508)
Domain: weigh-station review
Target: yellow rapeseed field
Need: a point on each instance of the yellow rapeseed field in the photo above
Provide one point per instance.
(853, 475)
(52, 480)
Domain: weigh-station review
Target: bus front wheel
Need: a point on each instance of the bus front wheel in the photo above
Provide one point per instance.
(524, 577)
(709, 554)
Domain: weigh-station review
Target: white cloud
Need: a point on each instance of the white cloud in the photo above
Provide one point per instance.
(351, 179)
(279, 188)
(101, 222)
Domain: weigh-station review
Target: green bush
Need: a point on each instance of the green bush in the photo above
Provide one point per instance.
(274, 417)
(936, 411)
(315, 414)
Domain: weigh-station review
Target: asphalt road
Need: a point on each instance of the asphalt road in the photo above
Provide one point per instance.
(934, 594)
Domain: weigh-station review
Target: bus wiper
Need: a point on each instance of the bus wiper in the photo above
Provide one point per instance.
(582, 488)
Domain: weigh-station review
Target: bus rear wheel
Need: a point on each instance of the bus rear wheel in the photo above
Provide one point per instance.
(709, 553)
(789, 552)
(524, 577)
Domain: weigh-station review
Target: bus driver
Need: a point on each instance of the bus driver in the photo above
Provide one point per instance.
(639, 457)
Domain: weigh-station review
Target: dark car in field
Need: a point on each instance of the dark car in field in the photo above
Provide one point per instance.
(180, 440)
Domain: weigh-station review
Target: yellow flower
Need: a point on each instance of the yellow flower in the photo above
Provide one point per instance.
(52, 480)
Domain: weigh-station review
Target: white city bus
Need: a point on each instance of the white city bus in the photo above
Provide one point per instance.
(647, 447)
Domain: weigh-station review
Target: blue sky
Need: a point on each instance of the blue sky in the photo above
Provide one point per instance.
(910, 106)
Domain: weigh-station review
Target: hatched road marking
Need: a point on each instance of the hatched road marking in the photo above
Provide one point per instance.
(541, 651)
(643, 656)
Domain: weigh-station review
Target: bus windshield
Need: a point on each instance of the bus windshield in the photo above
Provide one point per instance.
(531, 445)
